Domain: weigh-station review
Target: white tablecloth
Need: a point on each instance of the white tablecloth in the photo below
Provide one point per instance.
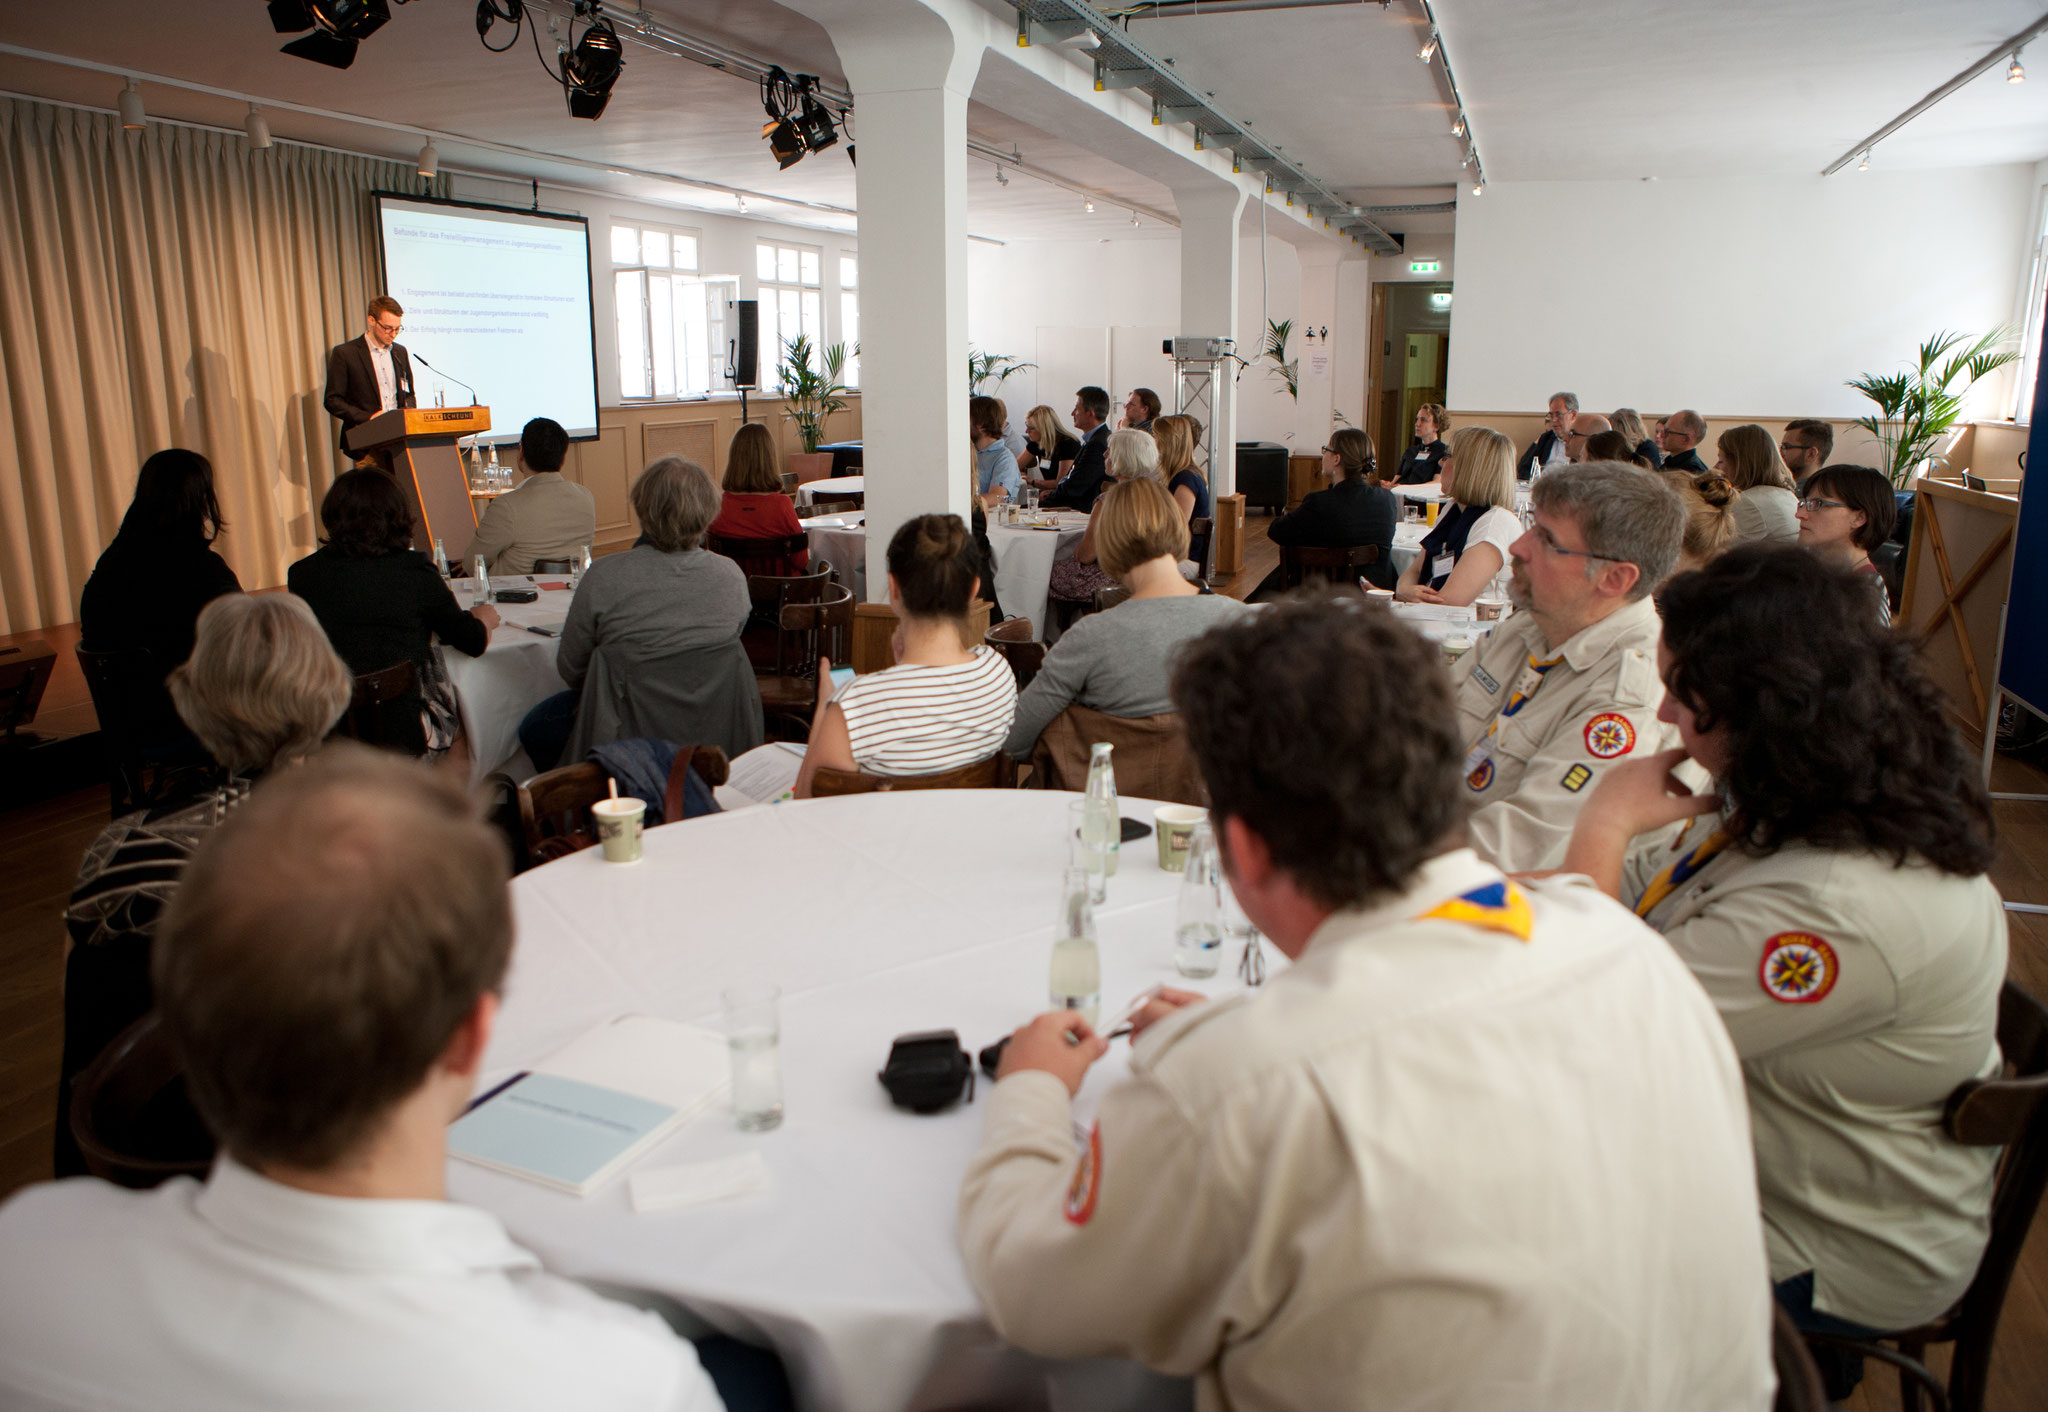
(844, 485)
(1407, 544)
(1024, 558)
(842, 542)
(916, 911)
(515, 674)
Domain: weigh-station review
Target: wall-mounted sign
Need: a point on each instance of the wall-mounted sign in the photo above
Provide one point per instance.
(1425, 267)
(1441, 299)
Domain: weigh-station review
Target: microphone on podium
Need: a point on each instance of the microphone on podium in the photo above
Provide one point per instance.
(450, 376)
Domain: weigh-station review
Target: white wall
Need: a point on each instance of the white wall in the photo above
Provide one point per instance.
(1754, 297)
(725, 247)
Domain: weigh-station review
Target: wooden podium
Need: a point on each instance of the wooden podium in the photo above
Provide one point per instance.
(429, 469)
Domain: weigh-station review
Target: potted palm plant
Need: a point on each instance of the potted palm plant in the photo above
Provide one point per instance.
(810, 395)
(991, 368)
(1917, 407)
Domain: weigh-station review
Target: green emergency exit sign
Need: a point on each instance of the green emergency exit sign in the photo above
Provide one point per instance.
(1425, 267)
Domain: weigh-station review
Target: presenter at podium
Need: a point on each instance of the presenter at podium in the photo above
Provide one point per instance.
(370, 374)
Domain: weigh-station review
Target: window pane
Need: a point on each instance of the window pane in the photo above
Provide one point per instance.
(764, 262)
(625, 245)
(849, 330)
(686, 252)
(717, 295)
(654, 249)
(849, 272)
(629, 290)
(661, 321)
(809, 263)
(785, 264)
(814, 323)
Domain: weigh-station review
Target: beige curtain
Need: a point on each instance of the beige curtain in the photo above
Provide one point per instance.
(171, 287)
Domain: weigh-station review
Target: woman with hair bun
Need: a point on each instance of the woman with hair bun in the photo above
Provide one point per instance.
(1829, 892)
(944, 704)
(1355, 510)
(1615, 446)
(1709, 515)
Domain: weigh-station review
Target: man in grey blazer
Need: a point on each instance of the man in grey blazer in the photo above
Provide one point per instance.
(547, 517)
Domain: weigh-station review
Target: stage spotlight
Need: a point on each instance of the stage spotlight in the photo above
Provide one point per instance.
(129, 105)
(430, 160)
(784, 142)
(814, 125)
(591, 68)
(798, 123)
(337, 26)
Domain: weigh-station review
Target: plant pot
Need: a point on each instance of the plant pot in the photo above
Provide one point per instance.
(810, 465)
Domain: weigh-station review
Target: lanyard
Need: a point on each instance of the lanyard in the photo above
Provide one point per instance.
(1526, 686)
(1680, 872)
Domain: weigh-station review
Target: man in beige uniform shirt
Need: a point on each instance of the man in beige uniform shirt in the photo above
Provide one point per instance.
(1568, 684)
(547, 517)
(1482, 1146)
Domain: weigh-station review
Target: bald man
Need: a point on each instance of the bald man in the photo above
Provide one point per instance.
(1583, 426)
(1676, 438)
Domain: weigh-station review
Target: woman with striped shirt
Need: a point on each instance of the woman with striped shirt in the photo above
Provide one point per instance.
(942, 705)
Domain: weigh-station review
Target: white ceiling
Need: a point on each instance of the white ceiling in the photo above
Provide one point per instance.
(1592, 89)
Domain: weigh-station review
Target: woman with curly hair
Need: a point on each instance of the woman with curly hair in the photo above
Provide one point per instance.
(1829, 893)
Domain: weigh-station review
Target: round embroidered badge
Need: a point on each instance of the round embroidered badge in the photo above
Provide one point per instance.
(1609, 735)
(1481, 777)
(1798, 968)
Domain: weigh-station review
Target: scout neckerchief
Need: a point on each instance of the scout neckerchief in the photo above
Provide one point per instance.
(1680, 872)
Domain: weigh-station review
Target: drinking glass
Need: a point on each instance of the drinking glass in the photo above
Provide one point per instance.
(1251, 961)
(1198, 924)
(753, 1034)
(1088, 848)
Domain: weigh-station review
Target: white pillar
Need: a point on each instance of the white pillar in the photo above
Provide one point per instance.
(911, 70)
(1209, 213)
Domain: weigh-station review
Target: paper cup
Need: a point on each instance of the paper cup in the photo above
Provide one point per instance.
(1490, 610)
(618, 828)
(1173, 825)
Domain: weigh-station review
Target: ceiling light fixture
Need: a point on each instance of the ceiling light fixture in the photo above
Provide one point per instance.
(1864, 165)
(1134, 218)
(1458, 127)
(743, 205)
(337, 26)
(257, 128)
(430, 160)
(1158, 114)
(130, 107)
(1479, 187)
(1002, 177)
(592, 67)
(1090, 205)
(1236, 164)
(1428, 50)
(2016, 74)
(1198, 139)
(798, 123)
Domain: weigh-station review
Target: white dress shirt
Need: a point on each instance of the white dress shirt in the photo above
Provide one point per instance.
(244, 1295)
(387, 378)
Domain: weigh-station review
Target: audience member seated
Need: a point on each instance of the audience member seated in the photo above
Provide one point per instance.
(1118, 662)
(327, 975)
(1806, 446)
(383, 602)
(1629, 422)
(1549, 448)
(1830, 895)
(1423, 461)
(1141, 408)
(995, 467)
(1091, 462)
(1768, 498)
(1709, 516)
(1354, 510)
(754, 505)
(1584, 426)
(943, 704)
(1677, 436)
(1178, 436)
(1557, 693)
(261, 689)
(1612, 445)
(1466, 555)
(147, 589)
(1133, 455)
(1844, 513)
(1050, 448)
(1481, 1145)
(651, 646)
(546, 517)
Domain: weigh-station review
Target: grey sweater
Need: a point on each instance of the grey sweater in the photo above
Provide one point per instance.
(1117, 662)
(643, 605)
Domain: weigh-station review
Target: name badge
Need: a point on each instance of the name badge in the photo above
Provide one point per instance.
(1443, 566)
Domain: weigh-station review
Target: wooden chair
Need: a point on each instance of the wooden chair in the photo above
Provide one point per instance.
(554, 807)
(1012, 637)
(139, 729)
(24, 672)
(789, 483)
(1799, 1385)
(770, 594)
(1342, 566)
(805, 632)
(1203, 528)
(1152, 759)
(365, 720)
(2011, 1113)
(829, 502)
(554, 566)
(1108, 598)
(134, 1125)
(996, 772)
(760, 556)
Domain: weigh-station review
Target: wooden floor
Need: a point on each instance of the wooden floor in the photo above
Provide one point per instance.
(40, 847)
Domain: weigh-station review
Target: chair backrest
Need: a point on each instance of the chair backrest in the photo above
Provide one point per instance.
(1013, 638)
(135, 717)
(1341, 565)
(839, 499)
(1152, 759)
(772, 591)
(365, 719)
(1202, 535)
(808, 631)
(24, 672)
(1109, 595)
(996, 772)
(130, 1116)
(752, 553)
(554, 566)
(1799, 1383)
(554, 810)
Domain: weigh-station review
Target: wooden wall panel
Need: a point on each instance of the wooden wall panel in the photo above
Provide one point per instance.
(696, 440)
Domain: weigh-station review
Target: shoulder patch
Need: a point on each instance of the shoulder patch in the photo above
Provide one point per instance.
(1486, 679)
(1575, 778)
(1608, 735)
(1798, 968)
(1481, 777)
(1081, 1191)
(1497, 907)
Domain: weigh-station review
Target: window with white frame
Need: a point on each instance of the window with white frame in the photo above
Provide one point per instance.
(2030, 321)
(792, 301)
(849, 317)
(671, 316)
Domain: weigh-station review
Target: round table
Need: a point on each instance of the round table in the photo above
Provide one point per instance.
(845, 485)
(842, 542)
(1024, 557)
(515, 674)
(878, 915)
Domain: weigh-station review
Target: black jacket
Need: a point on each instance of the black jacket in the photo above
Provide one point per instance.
(352, 383)
(1647, 449)
(1536, 456)
(1688, 461)
(145, 596)
(383, 611)
(1420, 463)
(1085, 482)
(1349, 513)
